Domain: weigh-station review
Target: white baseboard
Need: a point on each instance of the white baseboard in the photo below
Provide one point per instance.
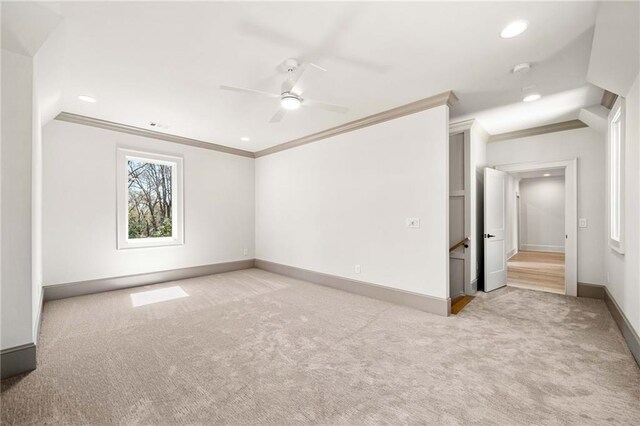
(540, 247)
(38, 322)
(472, 288)
(434, 305)
(597, 291)
(17, 360)
(62, 291)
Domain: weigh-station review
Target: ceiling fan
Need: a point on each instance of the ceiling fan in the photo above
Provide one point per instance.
(291, 91)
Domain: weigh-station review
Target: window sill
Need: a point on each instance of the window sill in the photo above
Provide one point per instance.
(616, 246)
(149, 243)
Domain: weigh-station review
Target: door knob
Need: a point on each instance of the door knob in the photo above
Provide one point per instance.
(489, 235)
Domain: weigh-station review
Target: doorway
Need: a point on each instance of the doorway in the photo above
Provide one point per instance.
(530, 225)
(536, 229)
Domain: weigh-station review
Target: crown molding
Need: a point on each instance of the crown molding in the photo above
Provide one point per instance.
(461, 126)
(137, 131)
(541, 130)
(445, 98)
(467, 125)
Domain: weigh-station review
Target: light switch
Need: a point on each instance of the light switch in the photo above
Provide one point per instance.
(413, 222)
(582, 222)
(357, 269)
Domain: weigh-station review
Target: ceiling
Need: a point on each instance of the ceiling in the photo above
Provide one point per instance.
(164, 62)
(533, 174)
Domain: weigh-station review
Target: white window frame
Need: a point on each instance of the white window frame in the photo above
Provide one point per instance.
(177, 216)
(615, 175)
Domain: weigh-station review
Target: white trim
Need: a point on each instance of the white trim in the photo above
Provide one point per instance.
(542, 247)
(80, 288)
(571, 213)
(423, 302)
(176, 163)
(618, 111)
(541, 130)
(146, 133)
(38, 323)
(441, 99)
(460, 126)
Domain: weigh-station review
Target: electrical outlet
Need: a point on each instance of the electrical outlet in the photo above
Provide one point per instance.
(413, 222)
(582, 222)
(357, 269)
(245, 252)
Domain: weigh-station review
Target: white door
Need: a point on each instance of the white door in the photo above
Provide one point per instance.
(495, 225)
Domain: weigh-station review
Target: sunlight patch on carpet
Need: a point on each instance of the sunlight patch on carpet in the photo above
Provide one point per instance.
(157, 296)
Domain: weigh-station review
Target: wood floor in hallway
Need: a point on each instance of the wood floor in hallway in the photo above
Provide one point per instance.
(536, 270)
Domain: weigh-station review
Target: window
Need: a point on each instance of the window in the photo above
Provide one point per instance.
(149, 199)
(616, 142)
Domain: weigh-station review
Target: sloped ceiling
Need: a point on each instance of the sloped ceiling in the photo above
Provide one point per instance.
(36, 30)
(615, 55)
(26, 26)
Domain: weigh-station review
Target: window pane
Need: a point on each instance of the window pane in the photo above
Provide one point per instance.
(615, 176)
(149, 200)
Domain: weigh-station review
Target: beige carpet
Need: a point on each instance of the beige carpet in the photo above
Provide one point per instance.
(254, 347)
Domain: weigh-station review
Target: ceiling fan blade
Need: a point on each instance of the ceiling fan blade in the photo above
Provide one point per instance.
(317, 66)
(255, 92)
(325, 105)
(278, 116)
(271, 35)
(299, 81)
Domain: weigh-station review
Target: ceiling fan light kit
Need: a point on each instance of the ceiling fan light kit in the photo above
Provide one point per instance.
(290, 101)
(291, 91)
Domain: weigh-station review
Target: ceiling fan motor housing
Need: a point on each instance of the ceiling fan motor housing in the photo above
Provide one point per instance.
(291, 65)
(287, 85)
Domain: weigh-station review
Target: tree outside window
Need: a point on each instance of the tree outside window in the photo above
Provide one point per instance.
(149, 187)
(149, 199)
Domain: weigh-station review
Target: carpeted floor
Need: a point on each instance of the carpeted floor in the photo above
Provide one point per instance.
(253, 347)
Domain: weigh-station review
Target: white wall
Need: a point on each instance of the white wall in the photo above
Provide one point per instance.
(80, 206)
(16, 149)
(589, 147)
(542, 214)
(31, 41)
(624, 270)
(36, 208)
(342, 201)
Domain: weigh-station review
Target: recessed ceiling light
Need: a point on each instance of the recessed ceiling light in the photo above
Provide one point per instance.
(546, 174)
(87, 99)
(290, 101)
(245, 139)
(515, 28)
(532, 97)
